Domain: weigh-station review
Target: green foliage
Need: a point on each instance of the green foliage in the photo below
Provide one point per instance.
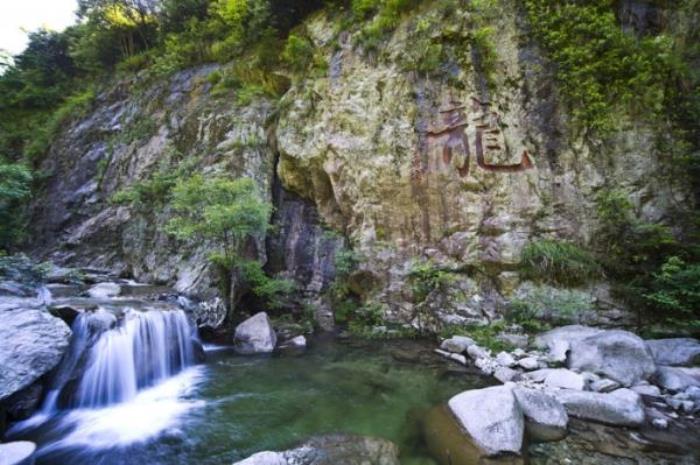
(273, 291)
(675, 290)
(425, 278)
(298, 53)
(225, 211)
(15, 180)
(542, 307)
(598, 65)
(74, 107)
(558, 262)
(385, 17)
(154, 191)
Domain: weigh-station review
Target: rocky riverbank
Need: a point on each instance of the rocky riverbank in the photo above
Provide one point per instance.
(581, 375)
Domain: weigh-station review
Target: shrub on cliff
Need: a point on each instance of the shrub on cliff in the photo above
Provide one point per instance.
(15, 182)
(229, 214)
(558, 262)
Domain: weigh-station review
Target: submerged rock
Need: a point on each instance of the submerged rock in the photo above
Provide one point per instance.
(492, 417)
(618, 355)
(622, 407)
(341, 449)
(255, 335)
(32, 343)
(675, 351)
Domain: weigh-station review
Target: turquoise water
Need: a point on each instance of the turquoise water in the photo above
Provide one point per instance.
(233, 406)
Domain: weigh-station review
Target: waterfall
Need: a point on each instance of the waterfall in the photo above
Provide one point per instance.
(145, 349)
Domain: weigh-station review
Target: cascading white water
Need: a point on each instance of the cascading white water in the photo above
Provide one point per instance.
(147, 348)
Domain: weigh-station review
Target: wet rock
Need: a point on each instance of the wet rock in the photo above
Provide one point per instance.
(17, 453)
(660, 423)
(459, 358)
(677, 379)
(104, 290)
(457, 344)
(505, 359)
(505, 374)
(492, 417)
(675, 351)
(338, 449)
(16, 289)
(693, 392)
(32, 343)
(476, 352)
(557, 378)
(255, 335)
(298, 342)
(546, 417)
(618, 355)
(24, 403)
(604, 385)
(647, 390)
(622, 407)
(529, 363)
(558, 341)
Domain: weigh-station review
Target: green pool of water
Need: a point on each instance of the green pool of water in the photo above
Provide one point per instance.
(247, 404)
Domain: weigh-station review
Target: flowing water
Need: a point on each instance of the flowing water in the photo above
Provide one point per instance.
(133, 407)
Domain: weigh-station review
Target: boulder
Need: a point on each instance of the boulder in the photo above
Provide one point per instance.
(618, 355)
(623, 407)
(647, 390)
(558, 341)
(457, 344)
(32, 343)
(448, 445)
(505, 359)
(476, 352)
(17, 453)
(604, 385)
(675, 351)
(546, 417)
(529, 363)
(492, 417)
(677, 379)
(557, 378)
(104, 290)
(340, 449)
(459, 358)
(255, 335)
(505, 374)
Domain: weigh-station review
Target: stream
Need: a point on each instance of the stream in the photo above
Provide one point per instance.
(230, 406)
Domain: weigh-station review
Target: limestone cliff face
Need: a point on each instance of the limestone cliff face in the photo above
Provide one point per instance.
(463, 170)
(135, 132)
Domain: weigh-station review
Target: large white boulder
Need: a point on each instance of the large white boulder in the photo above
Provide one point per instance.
(32, 343)
(546, 417)
(677, 379)
(622, 407)
(618, 355)
(255, 335)
(457, 344)
(557, 378)
(557, 342)
(492, 417)
(675, 351)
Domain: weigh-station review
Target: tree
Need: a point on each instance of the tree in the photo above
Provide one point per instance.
(229, 213)
(15, 182)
